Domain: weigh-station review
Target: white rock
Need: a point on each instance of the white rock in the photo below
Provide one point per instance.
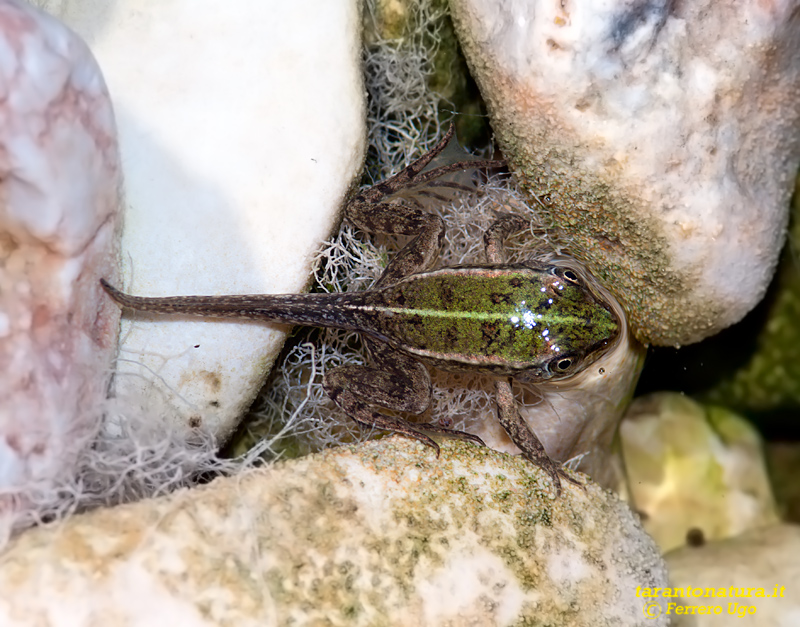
(241, 130)
(59, 183)
(381, 533)
(736, 569)
(665, 135)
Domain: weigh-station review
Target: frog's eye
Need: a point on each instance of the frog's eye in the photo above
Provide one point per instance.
(564, 365)
(570, 276)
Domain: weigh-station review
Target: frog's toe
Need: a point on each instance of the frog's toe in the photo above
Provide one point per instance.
(452, 433)
(570, 478)
(555, 471)
(473, 438)
(555, 476)
(420, 437)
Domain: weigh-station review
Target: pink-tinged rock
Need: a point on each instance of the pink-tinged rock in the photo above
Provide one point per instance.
(664, 136)
(59, 183)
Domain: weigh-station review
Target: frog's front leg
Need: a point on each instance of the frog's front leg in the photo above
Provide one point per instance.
(507, 409)
(394, 381)
(521, 434)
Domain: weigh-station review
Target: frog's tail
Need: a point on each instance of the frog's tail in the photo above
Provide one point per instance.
(319, 310)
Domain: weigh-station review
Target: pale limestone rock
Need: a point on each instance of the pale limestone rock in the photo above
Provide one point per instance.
(766, 558)
(59, 183)
(242, 130)
(693, 469)
(662, 136)
(380, 533)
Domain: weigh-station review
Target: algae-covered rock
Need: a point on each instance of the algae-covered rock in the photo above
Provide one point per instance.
(784, 469)
(383, 533)
(695, 473)
(770, 380)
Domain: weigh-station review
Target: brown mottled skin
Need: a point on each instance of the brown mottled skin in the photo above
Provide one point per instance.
(532, 322)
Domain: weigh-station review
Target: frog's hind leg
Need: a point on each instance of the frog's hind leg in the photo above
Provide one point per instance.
(400, 219)
(507, 409)
(421, 252)
(396, 382)
(375, 211)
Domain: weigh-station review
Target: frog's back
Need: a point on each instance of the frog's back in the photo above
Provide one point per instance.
(501, 319)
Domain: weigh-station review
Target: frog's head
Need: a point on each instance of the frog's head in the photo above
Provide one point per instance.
(580, 325)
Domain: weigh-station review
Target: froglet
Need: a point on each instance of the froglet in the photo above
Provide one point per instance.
(532, 322)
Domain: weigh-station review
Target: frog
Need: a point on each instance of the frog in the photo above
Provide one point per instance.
(531, 322)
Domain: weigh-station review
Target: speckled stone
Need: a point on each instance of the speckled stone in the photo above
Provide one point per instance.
(380, 533)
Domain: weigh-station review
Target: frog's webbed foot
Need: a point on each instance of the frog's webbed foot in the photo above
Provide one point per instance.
(519, 432)
(418, 174)
(396, 382)
(343, 386)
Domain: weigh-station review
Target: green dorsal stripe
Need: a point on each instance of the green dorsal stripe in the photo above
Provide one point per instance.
(548, 318)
